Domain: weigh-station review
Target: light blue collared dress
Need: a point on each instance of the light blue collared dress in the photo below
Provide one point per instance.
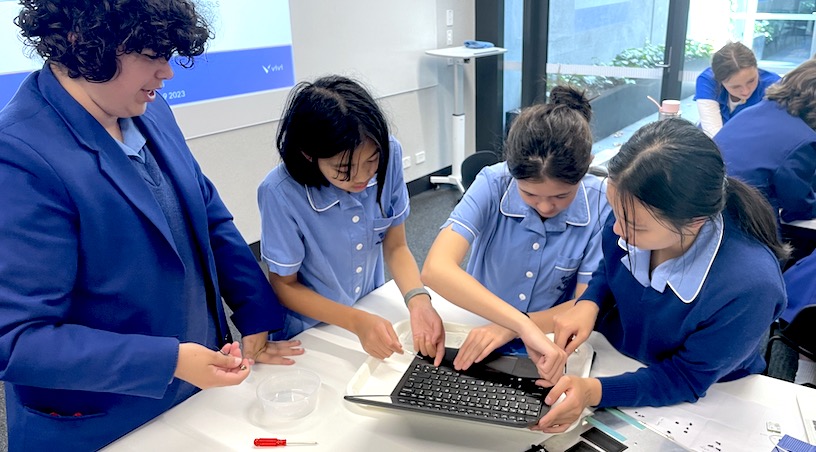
(529, 263)
(331, 238)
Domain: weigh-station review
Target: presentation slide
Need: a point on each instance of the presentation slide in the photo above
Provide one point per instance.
(251, 53)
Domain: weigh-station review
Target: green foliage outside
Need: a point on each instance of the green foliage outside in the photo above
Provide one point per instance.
(648, 56)
(764, 28)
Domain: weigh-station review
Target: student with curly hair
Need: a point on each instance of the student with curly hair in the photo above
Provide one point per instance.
(117, 250)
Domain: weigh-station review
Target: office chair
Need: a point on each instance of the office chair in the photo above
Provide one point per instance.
(474, 163)
(798, 334)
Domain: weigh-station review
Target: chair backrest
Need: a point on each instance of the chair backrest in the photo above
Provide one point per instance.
(799, 333)
(474, 163)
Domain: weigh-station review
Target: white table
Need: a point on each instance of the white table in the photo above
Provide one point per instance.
(229, 418)
(460, 56)
(804, 224)
(602, 158)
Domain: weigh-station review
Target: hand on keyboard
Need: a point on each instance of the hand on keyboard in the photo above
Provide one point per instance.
(480, 342)
(427, 330)
(479, 394)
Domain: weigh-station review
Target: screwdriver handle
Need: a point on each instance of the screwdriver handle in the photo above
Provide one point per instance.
(269, 442)
(275, 442)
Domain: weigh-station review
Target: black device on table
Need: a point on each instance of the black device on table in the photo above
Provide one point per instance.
(500, 390)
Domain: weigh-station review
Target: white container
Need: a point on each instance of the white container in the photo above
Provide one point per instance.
(289, 394)
(669, 109)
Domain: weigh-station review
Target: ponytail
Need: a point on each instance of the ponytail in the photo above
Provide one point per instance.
(754, 216)
(553, 140)
(673, 167)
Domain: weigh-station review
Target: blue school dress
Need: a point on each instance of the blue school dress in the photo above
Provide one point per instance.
(527, 262)
(331, 238)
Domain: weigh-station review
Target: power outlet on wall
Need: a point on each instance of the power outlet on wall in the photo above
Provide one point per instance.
(419, 157)
(449, 18)
(406, 162)
(449, 38)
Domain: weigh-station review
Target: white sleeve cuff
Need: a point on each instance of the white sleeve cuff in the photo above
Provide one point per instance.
(710, 116)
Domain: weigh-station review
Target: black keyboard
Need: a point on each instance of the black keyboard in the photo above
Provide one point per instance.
(478, 394)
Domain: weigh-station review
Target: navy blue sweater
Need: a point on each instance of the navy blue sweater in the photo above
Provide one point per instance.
(686, 347)
(776, 153)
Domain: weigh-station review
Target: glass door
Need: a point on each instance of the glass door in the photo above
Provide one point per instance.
(621, 51)
(616, 51)
(513, 42)
(780, 32)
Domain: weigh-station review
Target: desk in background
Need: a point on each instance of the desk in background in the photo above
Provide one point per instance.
(230, 418)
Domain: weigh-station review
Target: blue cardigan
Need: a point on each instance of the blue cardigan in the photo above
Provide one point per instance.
(776, 153)
(686, 347)
(91, 302)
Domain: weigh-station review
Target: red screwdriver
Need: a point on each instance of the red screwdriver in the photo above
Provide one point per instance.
(275, 442)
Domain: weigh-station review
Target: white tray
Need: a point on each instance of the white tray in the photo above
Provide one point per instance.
(377, 376)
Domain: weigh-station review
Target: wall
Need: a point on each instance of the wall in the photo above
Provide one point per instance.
(236, 161)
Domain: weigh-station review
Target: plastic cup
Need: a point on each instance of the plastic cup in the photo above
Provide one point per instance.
(289, 394)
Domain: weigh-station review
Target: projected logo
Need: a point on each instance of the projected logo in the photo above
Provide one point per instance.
(250, 53)
(224, 74)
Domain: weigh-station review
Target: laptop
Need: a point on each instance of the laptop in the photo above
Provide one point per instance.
(500, 390)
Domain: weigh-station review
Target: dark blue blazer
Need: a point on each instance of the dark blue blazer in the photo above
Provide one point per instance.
(775, 152)
(91, 286)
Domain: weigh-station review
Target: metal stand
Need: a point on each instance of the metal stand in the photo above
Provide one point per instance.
(457, 130)
(461, 56)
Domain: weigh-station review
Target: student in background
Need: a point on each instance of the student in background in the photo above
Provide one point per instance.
(117, 250)
(533, 226)
(772, 146)
(732, 84)
(800, 284)
(333, 212)
(689, 283)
